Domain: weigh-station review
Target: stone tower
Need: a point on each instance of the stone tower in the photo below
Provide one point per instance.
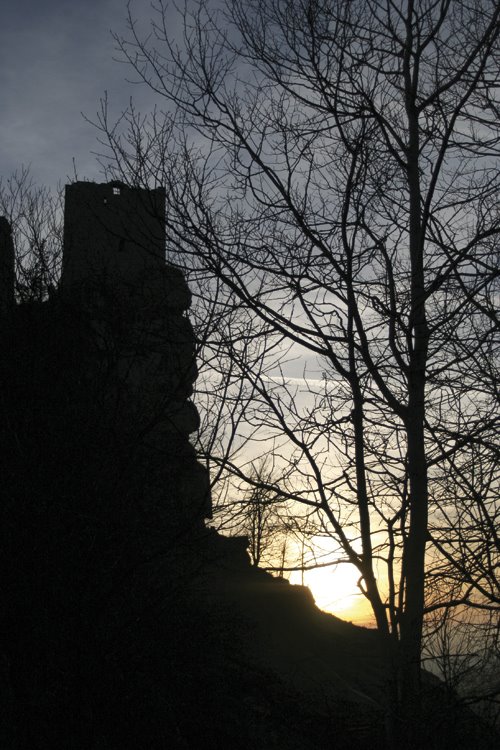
(112, 234)
(114, 272)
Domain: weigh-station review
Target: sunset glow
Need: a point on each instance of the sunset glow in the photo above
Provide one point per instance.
(335, 590)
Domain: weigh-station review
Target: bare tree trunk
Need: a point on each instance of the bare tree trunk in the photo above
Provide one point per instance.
(415, 543)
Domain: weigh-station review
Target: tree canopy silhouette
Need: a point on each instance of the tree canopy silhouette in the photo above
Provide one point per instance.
(332, 186)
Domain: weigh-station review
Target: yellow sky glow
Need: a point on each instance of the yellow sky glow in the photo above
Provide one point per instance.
(335, 590)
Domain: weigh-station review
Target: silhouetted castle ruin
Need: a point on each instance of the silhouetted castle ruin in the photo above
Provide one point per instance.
(125, 623)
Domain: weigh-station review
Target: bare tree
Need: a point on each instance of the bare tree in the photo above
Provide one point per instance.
(332, 171)
(462, 647)
(35, 214)
(255, 511)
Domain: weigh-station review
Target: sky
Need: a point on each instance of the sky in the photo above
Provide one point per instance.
(56, 61)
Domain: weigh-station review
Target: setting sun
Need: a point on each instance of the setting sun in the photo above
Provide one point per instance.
(335, 590)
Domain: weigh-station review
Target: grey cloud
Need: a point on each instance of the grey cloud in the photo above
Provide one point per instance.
(55, 62)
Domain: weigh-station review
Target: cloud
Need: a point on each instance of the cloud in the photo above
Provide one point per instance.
(55, 62)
